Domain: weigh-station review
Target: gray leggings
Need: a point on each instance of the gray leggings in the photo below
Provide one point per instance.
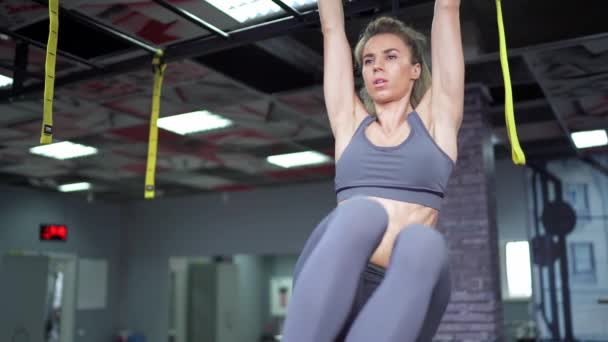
(339, 296)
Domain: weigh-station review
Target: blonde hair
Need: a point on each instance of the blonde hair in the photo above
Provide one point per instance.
(415, 40)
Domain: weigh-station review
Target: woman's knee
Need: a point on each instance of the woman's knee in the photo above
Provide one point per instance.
(422, 247)
(360, 217)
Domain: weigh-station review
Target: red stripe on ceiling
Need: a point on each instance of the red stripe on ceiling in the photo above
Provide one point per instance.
(210, 153)
(127, 17)
(142, 133)
(156, 32)
(325, 170)
(18, 9)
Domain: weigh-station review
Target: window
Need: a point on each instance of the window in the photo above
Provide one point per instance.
(577, 194)
(582, 262)
(519, 280)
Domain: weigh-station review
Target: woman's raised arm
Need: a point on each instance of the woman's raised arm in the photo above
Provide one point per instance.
(341, 99)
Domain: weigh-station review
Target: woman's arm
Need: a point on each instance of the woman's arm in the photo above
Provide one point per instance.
(447, 99)
(338, 80)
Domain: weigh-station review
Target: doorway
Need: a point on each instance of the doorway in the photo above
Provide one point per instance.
(39, 290)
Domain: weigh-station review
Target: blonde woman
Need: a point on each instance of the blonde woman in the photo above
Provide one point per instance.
(376, 269)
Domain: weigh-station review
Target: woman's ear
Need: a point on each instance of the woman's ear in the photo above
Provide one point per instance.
(416, 71)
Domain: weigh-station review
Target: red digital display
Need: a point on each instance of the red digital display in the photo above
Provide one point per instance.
(53, 232)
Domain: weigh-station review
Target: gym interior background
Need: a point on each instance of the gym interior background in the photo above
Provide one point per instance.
(210, 257)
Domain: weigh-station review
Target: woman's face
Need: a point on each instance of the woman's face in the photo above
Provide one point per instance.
(387, 68)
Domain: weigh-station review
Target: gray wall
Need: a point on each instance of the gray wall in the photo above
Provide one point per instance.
(273, 221)
(94, 232)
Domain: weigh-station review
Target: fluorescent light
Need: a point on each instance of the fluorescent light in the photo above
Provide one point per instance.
(245, 10)
(193, 122)
(519, 279)
(587, 139)
(75, 187)
(5, 81)
(298, 159)
(63, 150)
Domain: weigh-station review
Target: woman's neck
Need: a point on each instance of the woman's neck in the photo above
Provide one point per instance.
(392, 114)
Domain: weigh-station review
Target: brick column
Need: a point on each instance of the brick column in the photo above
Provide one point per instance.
(468, 219)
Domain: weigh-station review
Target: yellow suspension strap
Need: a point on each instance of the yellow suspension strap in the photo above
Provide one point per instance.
(46, 134)
(516, 152)
(159, 71)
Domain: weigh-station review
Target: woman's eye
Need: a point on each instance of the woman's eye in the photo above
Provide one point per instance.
(367, 61)
(392, 57)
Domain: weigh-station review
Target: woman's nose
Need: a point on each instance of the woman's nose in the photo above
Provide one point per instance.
(378, 65)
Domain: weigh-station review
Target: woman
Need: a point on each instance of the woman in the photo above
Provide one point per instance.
(395, 152)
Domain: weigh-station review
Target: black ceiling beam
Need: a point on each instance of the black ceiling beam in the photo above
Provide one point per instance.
(20, 65)
(114, 69)
(107, 29)
(192, 18)
(19, 37)
(98, 25)
(292, 11)
(206, 45)
(202, 46)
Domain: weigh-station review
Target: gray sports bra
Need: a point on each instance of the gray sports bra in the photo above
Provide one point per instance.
(415, 171)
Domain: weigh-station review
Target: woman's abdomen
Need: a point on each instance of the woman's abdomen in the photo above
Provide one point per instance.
(400, 215)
